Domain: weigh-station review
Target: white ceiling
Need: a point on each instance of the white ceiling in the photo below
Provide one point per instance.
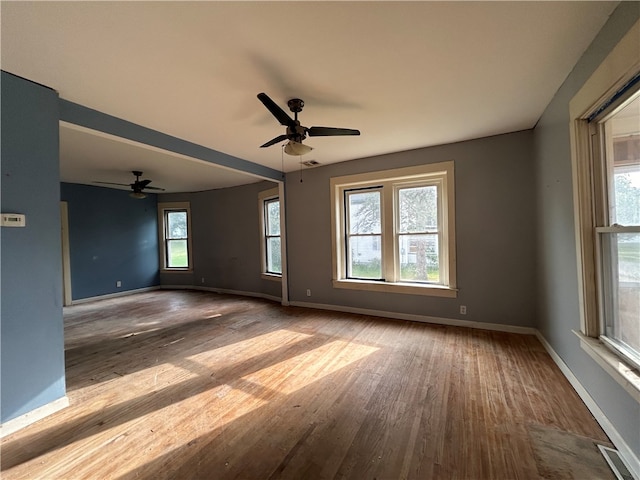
(407, 74)
(89, 156)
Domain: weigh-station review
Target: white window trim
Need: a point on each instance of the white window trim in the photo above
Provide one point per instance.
(262, 197)
(422, 172)
(622, 63)
(162, 208)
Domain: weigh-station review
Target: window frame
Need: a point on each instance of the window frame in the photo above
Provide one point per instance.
(440, 233)
(391, 181)
(263, 198)
(601, 160)
(617, 70)
(163, 209)
(348, 235)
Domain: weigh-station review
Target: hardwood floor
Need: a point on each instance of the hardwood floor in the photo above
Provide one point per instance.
(200, 385)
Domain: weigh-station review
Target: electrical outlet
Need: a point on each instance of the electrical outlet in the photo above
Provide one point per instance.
(202, 281)
(118, 284)
(463, 309)
(308, 292)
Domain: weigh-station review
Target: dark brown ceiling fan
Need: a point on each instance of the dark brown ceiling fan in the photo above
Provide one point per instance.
(137, 187)
(296, 133)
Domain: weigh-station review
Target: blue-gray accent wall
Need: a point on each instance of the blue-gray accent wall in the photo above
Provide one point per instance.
(32, 355)
(112, 237)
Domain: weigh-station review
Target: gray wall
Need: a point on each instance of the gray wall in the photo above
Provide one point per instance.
(32, 355)
(557, 262)
(495, 232)
(226, 240)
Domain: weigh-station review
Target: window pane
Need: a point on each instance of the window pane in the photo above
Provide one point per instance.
(419, 259)
(624, 128)
(177, 254)
(418, 208)
(176, 224)
(273, 217)
(364, 212)
(274, 261)
(621, 282)
(365, 257)
(627, 196)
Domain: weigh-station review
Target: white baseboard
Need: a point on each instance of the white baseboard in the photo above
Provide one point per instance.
(115, 295)
(15, 424)
(419, 318)
(632, 462)
(222, 290)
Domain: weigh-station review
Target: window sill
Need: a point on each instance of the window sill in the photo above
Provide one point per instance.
(271, 276)
(622, 373)
(176, 270)
(405, 288)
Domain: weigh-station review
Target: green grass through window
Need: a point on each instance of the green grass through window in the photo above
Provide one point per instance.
(177, 254)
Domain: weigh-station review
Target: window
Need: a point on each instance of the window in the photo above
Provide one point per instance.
(363, 234)
(604, 132)
(269, 204)
(395, 230)
(175, 223)
(616, 162)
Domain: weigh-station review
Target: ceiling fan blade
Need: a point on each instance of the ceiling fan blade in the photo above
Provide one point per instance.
(111, 183)
(331, 131)
(141, 183)
(276, 111)
(278, 139)
(154, 188)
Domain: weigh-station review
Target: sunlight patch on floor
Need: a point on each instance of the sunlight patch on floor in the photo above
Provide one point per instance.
(247, 349)
(306, 368)
(153, 412)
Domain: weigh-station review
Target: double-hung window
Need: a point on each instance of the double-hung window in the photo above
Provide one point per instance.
(394, 230)
(363, 233)
(175, 225)
(605, 134)
(418, 232)
(616, 161)
(269, 204)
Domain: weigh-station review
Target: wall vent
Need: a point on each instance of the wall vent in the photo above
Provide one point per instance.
(310, 163)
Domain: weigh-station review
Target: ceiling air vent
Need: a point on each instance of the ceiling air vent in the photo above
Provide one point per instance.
(310, 163)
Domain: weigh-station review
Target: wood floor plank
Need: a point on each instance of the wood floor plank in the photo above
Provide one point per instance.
(198, 385)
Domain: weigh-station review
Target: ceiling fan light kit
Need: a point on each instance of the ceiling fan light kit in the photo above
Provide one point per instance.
(296, 148)
(296, 133)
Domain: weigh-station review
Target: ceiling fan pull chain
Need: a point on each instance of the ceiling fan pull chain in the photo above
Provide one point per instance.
(300, 162)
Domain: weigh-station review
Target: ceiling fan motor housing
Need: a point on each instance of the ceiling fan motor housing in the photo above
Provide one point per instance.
(295, 105)
(298, 133)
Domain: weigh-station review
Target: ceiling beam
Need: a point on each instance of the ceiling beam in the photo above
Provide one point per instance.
(93, 119)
